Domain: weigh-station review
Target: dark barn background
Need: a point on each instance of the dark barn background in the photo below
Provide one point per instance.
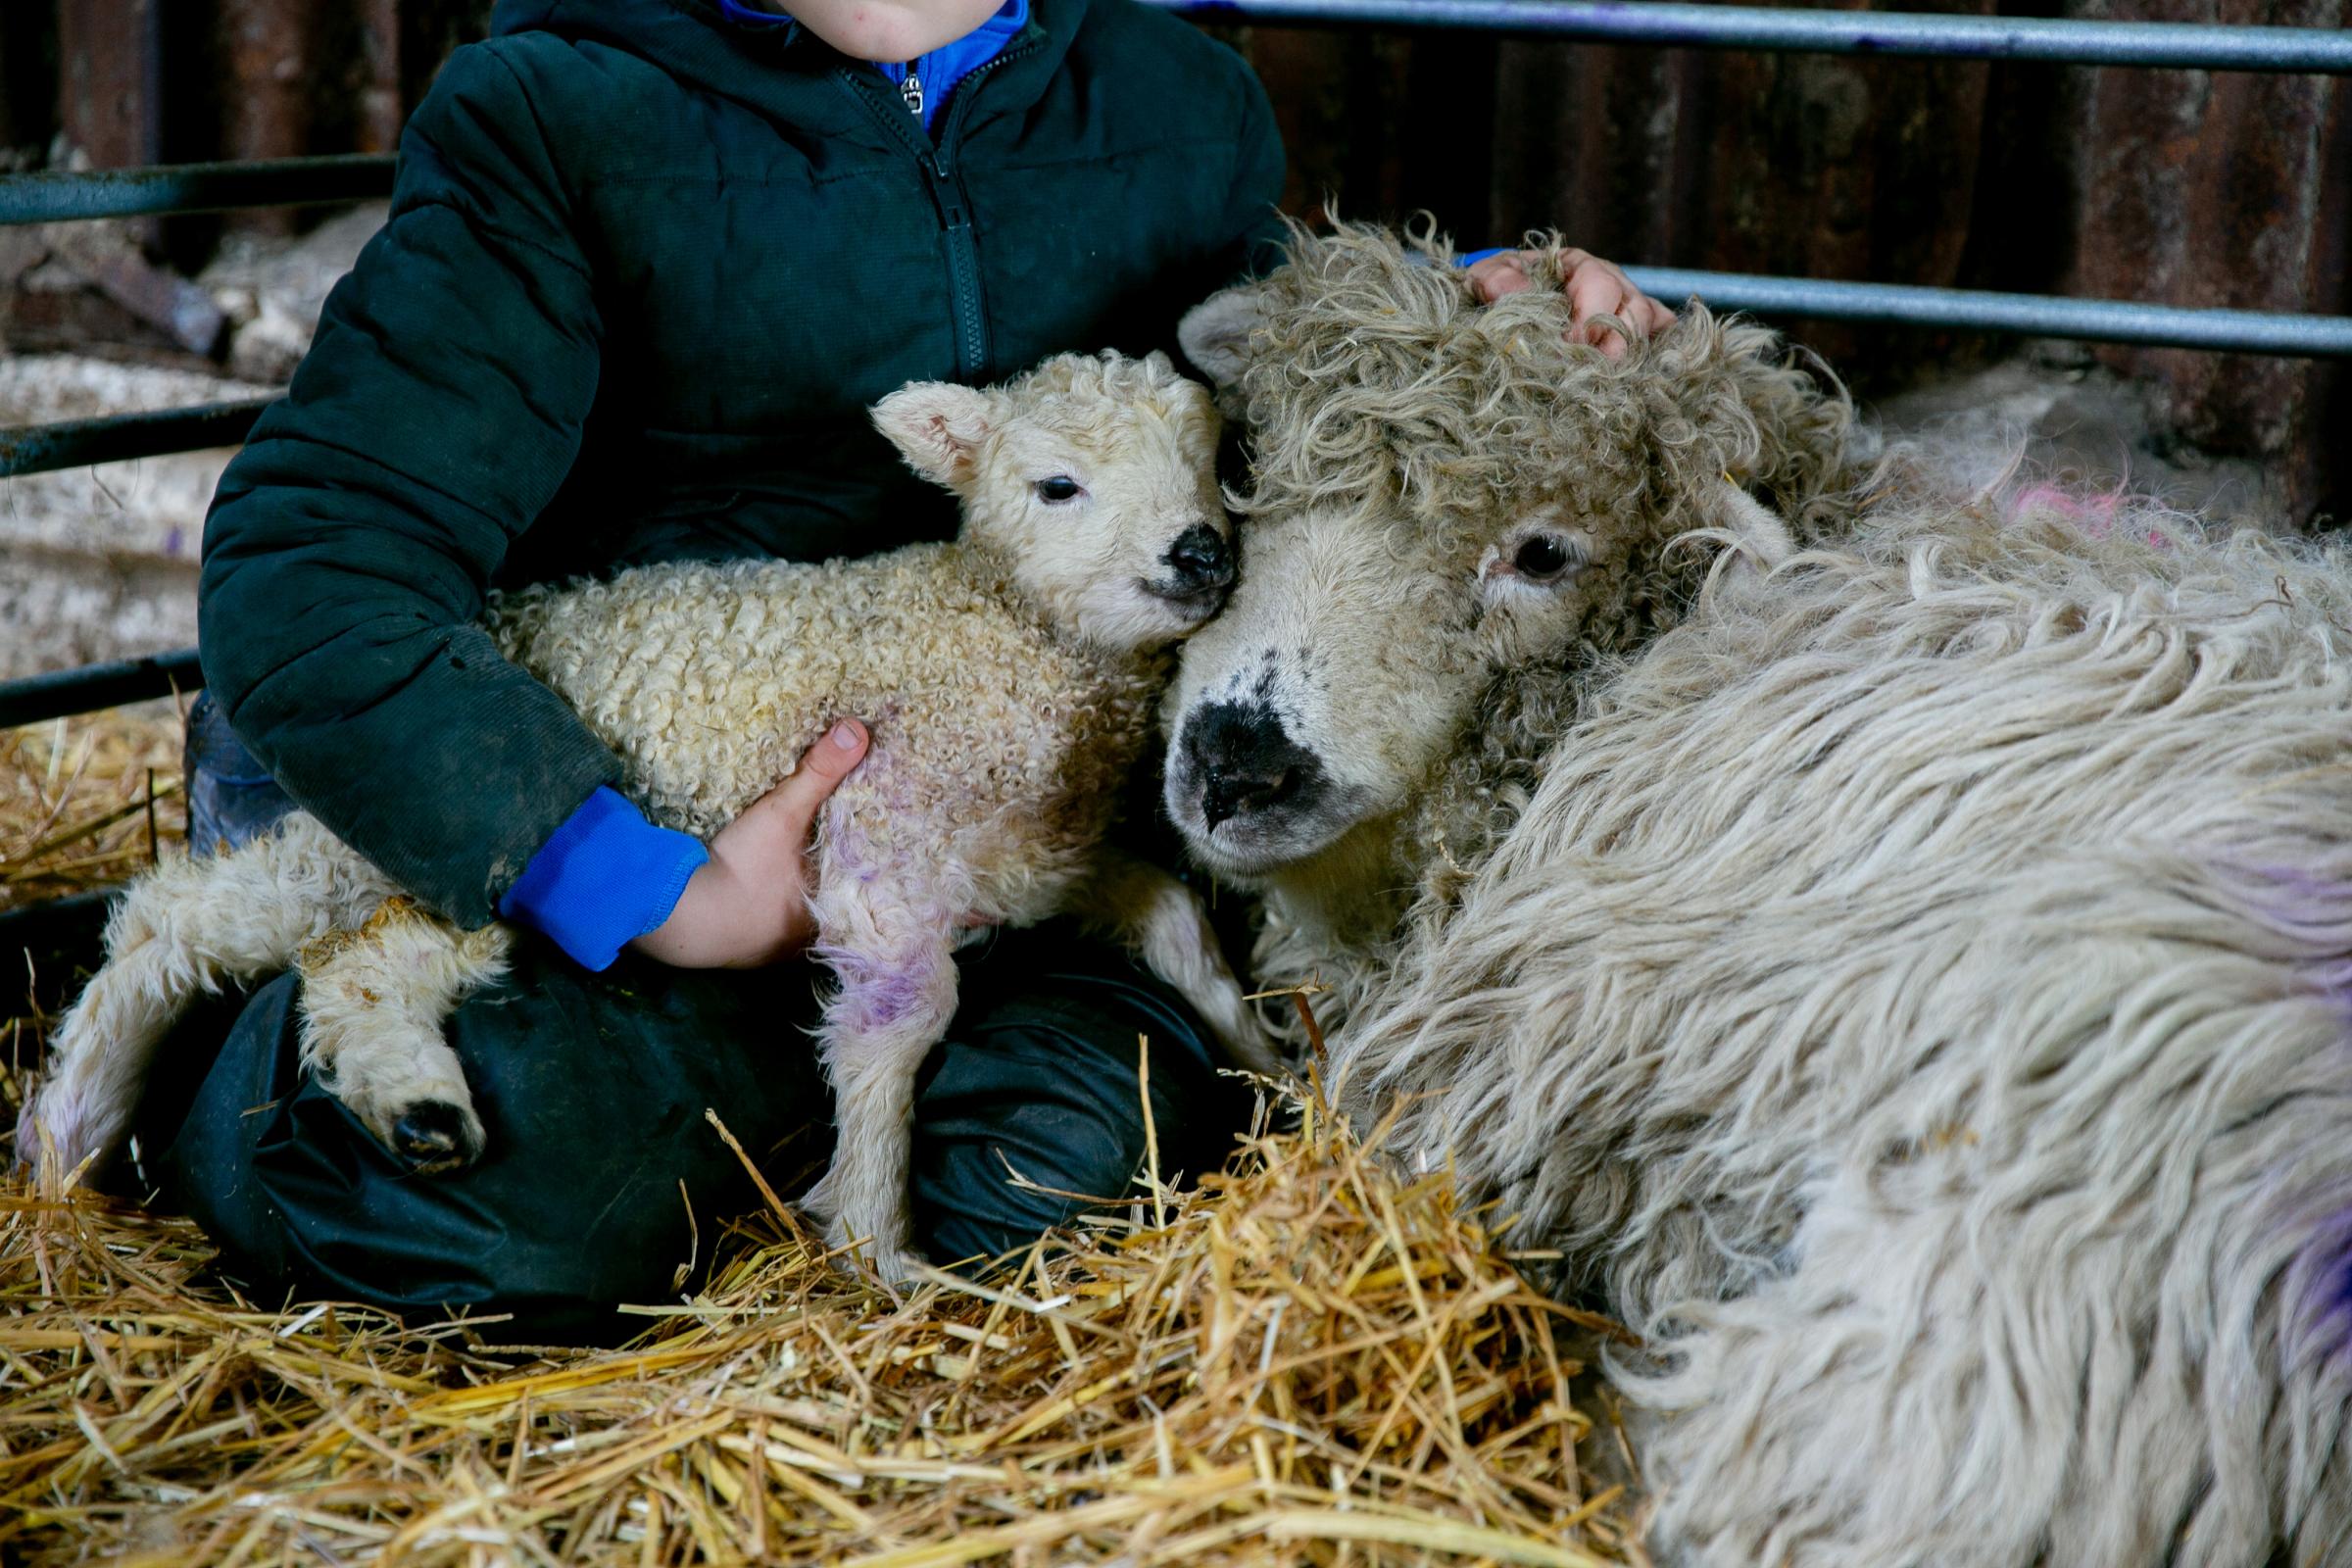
(2176, 187)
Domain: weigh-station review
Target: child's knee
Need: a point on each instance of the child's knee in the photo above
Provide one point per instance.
(981, 1191)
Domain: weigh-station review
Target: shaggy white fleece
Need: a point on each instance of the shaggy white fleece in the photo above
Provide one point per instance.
(1919, 998)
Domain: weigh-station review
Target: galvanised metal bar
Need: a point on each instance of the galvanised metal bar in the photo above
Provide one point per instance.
(2172, 44)
(115, 438)
(54, 196)
(2033, 315)
(92, 687)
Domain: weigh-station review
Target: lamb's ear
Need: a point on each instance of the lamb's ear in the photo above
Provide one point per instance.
(1763, 537)
(1214, 334)
(936, 425)
(1758, 539)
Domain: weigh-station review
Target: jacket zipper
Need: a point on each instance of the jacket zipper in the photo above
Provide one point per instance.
(948, 196)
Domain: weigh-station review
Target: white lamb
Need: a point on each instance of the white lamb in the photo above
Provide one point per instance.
(1008, 678)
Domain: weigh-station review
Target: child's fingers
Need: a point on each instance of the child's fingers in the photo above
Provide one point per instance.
(1503, 273)
(1601, 288)
(1595, 288)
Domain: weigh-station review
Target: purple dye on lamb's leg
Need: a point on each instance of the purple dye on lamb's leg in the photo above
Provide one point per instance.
(882, 1000)
(897, 998)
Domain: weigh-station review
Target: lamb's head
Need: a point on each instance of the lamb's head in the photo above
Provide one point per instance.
(1451, 509)
(1092, 482)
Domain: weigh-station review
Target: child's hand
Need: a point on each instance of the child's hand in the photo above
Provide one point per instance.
(1593, 288)
(748, 906)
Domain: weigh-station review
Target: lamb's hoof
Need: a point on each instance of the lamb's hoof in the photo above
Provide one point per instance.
(856, 1250)
(56, 1130)
(434, 1135)
(897, 1269)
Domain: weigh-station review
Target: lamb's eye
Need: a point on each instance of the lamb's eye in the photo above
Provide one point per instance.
(1540, 558)
(1060, 487)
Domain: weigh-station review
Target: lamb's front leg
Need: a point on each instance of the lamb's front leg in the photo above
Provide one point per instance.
(374, 1004)
(896, 996)
(1161, 921)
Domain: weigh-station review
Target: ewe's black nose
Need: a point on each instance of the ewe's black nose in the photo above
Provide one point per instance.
(1245, 761)
(1201, 559)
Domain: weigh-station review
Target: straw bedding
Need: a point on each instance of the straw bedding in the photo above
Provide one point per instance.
(1305, 1359)
(87, 800)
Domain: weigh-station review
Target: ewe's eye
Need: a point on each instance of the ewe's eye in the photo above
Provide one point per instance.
(1534, 562)
(1542, 558)
(1058, 489)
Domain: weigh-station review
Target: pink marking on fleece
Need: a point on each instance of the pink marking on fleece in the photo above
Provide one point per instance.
(2094, 514)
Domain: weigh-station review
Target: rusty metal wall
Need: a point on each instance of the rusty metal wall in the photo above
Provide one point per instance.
(2178, 186)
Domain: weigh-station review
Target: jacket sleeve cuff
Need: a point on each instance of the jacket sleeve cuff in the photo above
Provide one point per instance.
(606, 877)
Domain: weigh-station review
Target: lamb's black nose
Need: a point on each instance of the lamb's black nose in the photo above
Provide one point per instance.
(1201, 559)
(1247, 762)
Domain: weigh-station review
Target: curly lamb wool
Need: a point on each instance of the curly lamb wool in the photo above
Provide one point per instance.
(1918, 995)
(1455, 513)
(1008, 679)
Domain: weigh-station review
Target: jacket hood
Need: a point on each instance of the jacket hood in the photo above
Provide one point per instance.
(784, 72)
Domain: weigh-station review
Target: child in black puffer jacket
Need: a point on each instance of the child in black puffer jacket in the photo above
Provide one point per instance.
(648, 263)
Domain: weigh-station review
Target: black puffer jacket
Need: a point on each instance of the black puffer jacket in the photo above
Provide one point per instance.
(644, 271)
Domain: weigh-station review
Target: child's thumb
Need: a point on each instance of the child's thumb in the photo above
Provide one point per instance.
(826, 763)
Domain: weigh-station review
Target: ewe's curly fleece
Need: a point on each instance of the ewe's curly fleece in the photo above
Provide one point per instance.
(1919, 996)
(1375, 375)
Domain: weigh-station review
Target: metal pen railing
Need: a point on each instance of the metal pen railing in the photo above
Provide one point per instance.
(57, 197)
(2172, 45)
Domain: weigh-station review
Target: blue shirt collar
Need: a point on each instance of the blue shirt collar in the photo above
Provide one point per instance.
(737, 11)
(941, 70)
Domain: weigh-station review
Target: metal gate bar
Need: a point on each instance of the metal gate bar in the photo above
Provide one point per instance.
(119, 437)
(94, 686)
(2181, 45)
(1981, 311)
(54, 196)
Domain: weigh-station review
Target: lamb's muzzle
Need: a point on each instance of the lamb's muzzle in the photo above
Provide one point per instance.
(1200, 571)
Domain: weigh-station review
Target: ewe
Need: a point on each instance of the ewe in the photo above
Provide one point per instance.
(1453, 514)
(1008, 679)
(1919, 996)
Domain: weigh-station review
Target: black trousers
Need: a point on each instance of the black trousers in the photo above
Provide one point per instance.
(602, 1167)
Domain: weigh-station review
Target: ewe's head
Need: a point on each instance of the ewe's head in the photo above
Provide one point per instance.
(1092, 482)
(1451, 510)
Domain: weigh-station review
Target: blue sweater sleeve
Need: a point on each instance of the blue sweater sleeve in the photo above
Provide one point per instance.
(605, 878)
